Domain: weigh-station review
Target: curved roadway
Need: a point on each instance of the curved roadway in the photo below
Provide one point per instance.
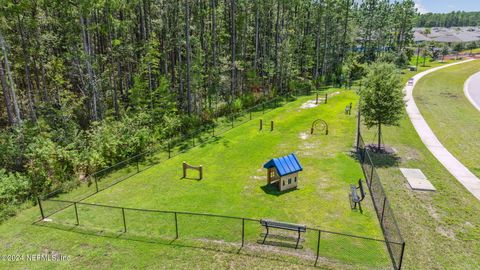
(472, 90)
(455, 167)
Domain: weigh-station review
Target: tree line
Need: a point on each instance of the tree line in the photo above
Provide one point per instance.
(88, 83)
(452, 19)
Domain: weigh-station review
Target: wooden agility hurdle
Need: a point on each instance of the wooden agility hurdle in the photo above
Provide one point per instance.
(186, 166)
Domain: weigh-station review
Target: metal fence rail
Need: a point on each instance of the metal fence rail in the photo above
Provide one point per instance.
(190, 225)
(388, 223)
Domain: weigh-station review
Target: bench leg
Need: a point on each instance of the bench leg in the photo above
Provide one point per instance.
(360, 207)
(298, 239)
(265, 238)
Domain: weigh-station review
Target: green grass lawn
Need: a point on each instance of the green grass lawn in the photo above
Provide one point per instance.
(474, 51)
(234, 184)
(453, 119)
(441, 229)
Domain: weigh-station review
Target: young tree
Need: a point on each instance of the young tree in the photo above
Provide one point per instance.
(381, 98)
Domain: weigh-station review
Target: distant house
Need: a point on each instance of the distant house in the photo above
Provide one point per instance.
(283, 171)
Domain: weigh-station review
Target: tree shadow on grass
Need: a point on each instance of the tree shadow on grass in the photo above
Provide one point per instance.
(272, 189)
(385, 160)
(380, 160)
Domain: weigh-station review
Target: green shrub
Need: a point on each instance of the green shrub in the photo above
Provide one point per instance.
(14, 190)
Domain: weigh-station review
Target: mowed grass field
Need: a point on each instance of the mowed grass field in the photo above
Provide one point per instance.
(234, 184)
(442, 228)
(442, 102)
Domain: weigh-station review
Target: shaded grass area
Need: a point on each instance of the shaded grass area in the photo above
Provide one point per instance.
(232, 185)
(441, 228)
(453, 119)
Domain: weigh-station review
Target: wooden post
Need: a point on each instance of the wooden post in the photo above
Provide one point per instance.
(326, 98)
(269, 172)
(184, 166)
(201, 172)
(271, 125)
(261, 124)
(316, 99)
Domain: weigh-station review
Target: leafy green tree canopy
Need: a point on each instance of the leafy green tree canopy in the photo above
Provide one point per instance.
(381, 98)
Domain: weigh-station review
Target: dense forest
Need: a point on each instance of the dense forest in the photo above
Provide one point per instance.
(453, 19)
(88, 83)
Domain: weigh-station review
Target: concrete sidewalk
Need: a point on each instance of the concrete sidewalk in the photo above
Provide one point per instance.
(455, 167)
(472, 90)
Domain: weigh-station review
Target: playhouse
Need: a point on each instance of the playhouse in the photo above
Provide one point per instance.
(283, 171)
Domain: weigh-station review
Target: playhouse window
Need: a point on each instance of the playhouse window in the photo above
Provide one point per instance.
(289, 181)
(283, 182)
(295, 179)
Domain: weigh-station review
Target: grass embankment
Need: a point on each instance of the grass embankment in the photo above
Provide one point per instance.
(234, 184)
(453, 119)
(441, 228)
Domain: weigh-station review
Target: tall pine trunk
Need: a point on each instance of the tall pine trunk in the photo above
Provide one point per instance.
(188, 51)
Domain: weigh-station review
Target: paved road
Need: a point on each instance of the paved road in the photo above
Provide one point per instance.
(472, 90)
(455, 167)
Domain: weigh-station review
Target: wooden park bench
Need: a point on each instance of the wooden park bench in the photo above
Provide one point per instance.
(355, 198)
(299, 228)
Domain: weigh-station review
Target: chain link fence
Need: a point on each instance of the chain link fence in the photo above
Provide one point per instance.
(388, 223)
(316, 246)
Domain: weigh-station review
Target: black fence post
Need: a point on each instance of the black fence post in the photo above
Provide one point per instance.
(138, 168)
(383, 210)
(169, 150)
(263, 108)
(250, 115)
(96, 182)
(326, 98)
(358, 128)
(76, 212)
(232, 120)
(213, 130)
(401, 256)
(176, 226)
(318, 248)
(243, 231)
(40, 206)
(124, 221)
(316, 99)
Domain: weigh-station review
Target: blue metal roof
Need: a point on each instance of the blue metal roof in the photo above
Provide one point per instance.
(284, 165)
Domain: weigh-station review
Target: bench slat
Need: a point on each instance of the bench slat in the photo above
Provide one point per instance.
(283, 225)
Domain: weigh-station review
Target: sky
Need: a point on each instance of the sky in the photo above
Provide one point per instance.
(445, 6)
